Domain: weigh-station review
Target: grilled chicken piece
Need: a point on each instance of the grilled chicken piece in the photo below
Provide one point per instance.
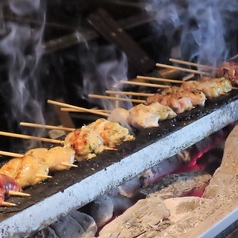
(224, 85)
(26, 171)
(196, 96)
(179, 99)
(228, 70)
(112, 132)
(146, 116)
(178, 104)
(119, 115)
(86, 142)
(37, 152)
(56, 156)
(11, 168)
(29, 170)
(211, 87)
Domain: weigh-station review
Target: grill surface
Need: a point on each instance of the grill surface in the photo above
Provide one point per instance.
(76, 187)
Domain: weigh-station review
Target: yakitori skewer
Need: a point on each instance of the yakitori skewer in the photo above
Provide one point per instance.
(10, 154)
(204, 67)
(130, 93)
(21, 136)
(182, 69)
(8, 204)
(16, 155)
(66, 109)
(187, 77)
(78, 108)
(14, 193)
(115, 98)
(46, 126)
(144, 84)
(159, 79)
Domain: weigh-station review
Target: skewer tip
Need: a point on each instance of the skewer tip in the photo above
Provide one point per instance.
(7, 204)
(69, 165)
(43, 176)
(14, 193)
(110, 148)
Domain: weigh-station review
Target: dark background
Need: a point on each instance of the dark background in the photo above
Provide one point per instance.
(55, 64)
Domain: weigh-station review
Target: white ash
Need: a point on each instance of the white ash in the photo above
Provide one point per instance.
(146, 215)
(178, 185)
(181, 206)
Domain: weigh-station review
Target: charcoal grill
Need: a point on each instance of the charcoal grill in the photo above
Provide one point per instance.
(70, 190)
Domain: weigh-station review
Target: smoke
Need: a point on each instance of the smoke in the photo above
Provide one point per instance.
(18, 47)
(205, 28)
(103, 67)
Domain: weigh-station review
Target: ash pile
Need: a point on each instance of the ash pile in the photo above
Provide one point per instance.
(182, 196)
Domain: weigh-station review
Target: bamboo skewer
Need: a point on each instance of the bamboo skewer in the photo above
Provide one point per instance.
(160, 79)
(110, 148)
(130, 93)
(46, 126)
(145, 84)
(66, 109)
(3, 133)
(182, 69)
(69, 165)
(20, 155)
(116, 98)
(191, 64)
(43, 176)
(8, 204)
(6, 153)
(78, 108)
(14, 193)
(187, 77)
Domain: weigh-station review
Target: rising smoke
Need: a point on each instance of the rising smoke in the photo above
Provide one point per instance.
(206, 28)
(103, 67)
(20, 87)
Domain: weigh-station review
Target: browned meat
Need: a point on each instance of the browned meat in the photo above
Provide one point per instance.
(31, 170)
(211, 87)
(179, 99)
(229, 70)
(178, 104)
(11, 168)
(56, 158)
(86, 142)
(146, 116)
(26, 171)
(112, 132)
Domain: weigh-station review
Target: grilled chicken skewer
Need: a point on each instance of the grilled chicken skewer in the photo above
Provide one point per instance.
(211, 87)
(113, 133)
(146, 116)
(88, 141)
(58, 158)
(26, 171)
(179, 99)
(229, 70)
(85, 142)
